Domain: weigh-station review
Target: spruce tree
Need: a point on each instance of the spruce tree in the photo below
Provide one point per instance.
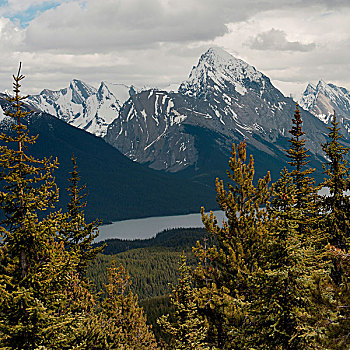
(77, 235)
(223, 277)
(34, 267)
(337, 204)
(337, 335)
(187, 331)
(336, 208)
(283, 312)
(298, 155)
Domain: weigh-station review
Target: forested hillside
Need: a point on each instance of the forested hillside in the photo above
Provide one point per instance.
(274, 275)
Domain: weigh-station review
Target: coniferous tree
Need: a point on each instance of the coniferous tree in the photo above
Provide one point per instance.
(283, 314)
(298, 154)
(223, 277)
(34, 267)
(295, 259)
(337, 335)
(188, 330)
(336, 222)
(337, 204)
(76, 233)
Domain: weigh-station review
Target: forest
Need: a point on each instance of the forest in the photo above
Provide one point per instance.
(274, 275)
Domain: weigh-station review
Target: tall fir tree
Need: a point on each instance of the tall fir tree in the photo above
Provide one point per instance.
(77, 235)
(298, 155)
(336, 209)
(188, 330)
(283, 313)
(223, 277)
(34, 267)
(337, 335)
(297, 252)
(337, 204)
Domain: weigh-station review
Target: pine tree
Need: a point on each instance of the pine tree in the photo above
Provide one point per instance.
(76, 233)
(224, 275)
(283, 313)
(337, 204)
(188, 330)
(34, 267)
(336, 208)
(337, 334)
(295, 262)
(298, 155)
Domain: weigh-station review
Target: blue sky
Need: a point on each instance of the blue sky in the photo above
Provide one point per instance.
(24, 17)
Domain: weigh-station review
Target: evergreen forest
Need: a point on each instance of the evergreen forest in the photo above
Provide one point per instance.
(274, 275)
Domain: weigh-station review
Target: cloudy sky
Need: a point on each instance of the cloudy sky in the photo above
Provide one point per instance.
(156, 42)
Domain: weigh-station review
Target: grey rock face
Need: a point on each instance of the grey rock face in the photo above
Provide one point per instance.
(149, 130)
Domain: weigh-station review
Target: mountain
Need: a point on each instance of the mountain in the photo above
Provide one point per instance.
(83, 105)
(118, 188)
(323, 100)
(190, 132)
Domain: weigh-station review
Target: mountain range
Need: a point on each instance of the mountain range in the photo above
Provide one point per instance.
(187, 135)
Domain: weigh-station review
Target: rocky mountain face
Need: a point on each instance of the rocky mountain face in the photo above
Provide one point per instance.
(322, 100)
(84, 106)
(224, 100)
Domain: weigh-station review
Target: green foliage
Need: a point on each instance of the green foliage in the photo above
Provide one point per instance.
(188, 330)
(298, 155)
(76, 234)
(283, 311)
(35, 270)
(333, 295)
(121, 306)
(179, 239)
(338, 327)
(45, 298)
(154, 308)
(225, 270)
(151, 270)
(337, 204)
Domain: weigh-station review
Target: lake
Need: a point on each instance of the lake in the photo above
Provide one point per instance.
(149, 227)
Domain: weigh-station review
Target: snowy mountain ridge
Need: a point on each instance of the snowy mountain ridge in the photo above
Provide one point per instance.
(83, 105)
(323, 99)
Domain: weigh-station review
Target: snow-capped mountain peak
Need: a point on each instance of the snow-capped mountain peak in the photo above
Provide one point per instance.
(218, 68)
(81, 91)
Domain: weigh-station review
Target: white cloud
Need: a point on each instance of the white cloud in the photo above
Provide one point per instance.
(290, 69)
(156, 42)
(276, 40)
